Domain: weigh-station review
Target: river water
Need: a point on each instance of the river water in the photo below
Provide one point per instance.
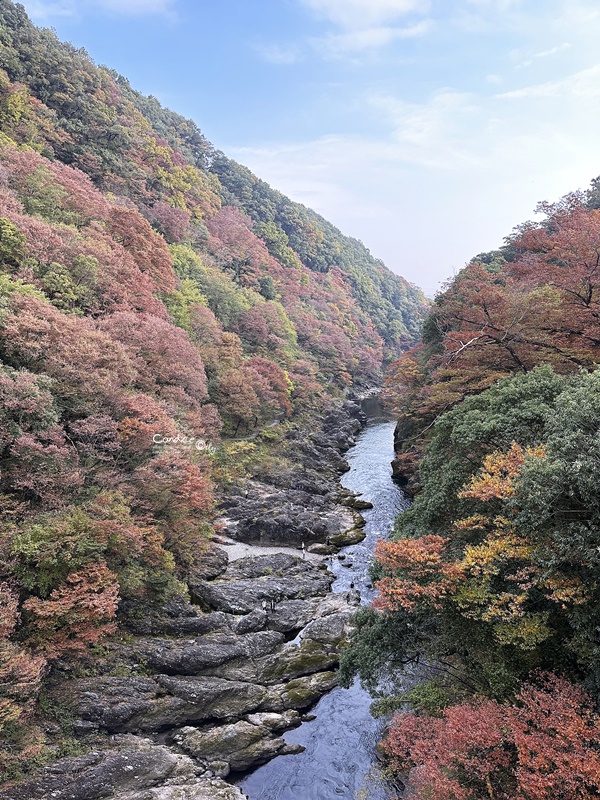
(339, 761)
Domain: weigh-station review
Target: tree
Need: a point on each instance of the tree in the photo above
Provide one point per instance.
(78, 613)
(542, 746)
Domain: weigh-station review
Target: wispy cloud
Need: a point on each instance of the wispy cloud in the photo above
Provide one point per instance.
(279, 53)
(360, 26)
(357, 14)
(585, 83)
(447, 177)
(431, 134)
(552, 51)
(337, 45)
(43, 10)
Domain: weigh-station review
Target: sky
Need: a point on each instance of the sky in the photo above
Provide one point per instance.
(426, 128)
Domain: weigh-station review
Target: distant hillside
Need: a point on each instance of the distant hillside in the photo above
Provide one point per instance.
(130, 145)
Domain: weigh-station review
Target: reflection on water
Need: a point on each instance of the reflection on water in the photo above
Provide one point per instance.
(339, 760)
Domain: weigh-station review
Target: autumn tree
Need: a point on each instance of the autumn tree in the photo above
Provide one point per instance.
(541, 746)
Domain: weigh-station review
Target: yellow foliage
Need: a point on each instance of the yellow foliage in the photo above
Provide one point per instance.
(496, 479)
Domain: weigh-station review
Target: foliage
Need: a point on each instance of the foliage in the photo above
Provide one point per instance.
(542, 746)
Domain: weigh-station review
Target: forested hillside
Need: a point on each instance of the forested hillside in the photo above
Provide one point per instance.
(149, 287)
(492, 581)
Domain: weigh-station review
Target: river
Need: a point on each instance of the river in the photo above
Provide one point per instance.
(339, 760)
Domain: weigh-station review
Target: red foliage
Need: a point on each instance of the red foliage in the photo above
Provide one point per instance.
(21, 676)
(45, 467)
(121, 282)
(165, 359)
(173, 223)
(76, 193)
(236, 398)
(88, 365)
(557, 737)
(271, 385)
(237, 248)
(9, 610)
(96, 439)
(172, 486)
(467, 740)
(148, 249)
(77, 614)
(177, 492)
(416, 572)
(143, 418)
(543, 746)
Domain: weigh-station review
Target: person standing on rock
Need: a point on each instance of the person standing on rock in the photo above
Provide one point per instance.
(303, 550)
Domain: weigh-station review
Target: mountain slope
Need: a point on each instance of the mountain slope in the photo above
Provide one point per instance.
(156, 300)
(131, 146)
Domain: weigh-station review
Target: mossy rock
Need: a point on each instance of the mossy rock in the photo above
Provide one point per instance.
(303, 692)
(305, 660)
(351, 536)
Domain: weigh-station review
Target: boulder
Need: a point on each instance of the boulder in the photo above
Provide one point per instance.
(214, 696)
(243, 596)
(192, 657)
(144, 704)
(291, 615)
(293, 661)
(242, 745)
(210, 562)
(275, 722)
(265, 565)
(101, 774)
(304, 692)
(202, 789)
(331, 630)
(251, 623)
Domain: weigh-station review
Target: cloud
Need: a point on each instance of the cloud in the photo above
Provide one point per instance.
(279, 53)
(445, 178)
(431, 134)
(545, 54)
(585, 83)
(359, 14)
(353, 41)
(47, 9)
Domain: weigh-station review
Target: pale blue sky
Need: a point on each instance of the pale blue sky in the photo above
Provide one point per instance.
(426, 128)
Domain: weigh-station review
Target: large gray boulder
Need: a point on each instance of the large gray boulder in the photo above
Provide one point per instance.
(102, 774)
(121, 705)
(202, 789)
(243, 596)
(241, 745)
(191, 657)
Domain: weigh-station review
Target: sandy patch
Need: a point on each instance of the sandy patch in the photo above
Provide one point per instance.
(236, 550)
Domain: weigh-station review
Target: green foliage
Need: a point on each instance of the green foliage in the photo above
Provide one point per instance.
(380, 648)
(428, 697)
(514, 409)
(12, 245)
(226, 300)
(62, 289)
(182, 301)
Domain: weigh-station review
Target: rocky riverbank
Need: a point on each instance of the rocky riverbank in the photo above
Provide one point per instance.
(203, 687)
